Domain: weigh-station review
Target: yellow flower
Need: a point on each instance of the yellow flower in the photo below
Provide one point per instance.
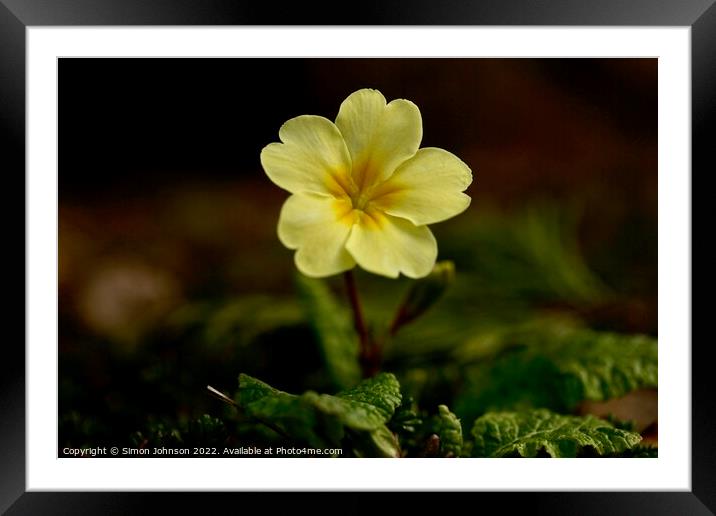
(363, 193)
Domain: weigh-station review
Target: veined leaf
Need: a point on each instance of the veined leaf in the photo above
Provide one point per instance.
(334, 331)
(323, 420)
(377, 397)
(531, 433)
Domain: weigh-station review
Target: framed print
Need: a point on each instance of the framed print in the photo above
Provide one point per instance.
(437, 250)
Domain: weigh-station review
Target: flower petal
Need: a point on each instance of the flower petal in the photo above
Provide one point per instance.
(318, 228)
(313, 157)
(426, 189)
(379, 136)
(387, 245)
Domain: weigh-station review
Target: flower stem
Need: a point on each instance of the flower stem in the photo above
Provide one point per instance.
(358, 320)
(369, 353)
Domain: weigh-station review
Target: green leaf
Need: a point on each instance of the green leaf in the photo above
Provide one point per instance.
(558, 371)
(373, 400)
(424, 293)
(449, 430)
(323, 420)
(532, 433)
(334, 331)
(251, 389)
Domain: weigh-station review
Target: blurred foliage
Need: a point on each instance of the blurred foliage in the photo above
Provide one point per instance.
(558, 371)
(521, 322)
(334, 331)
(532, 256)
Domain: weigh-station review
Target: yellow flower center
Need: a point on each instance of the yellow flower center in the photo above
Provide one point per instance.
(355, 195)
(361, 200)
(353, 206)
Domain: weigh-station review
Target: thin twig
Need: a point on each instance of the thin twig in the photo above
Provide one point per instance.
(398, 320)
(220, 395)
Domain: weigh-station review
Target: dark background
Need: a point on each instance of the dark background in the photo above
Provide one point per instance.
(170, 273)
(543, 123)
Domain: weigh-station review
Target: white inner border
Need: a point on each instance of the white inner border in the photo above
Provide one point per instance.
(671, 471)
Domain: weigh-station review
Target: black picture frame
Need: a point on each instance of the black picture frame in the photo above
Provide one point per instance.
(17, 15)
